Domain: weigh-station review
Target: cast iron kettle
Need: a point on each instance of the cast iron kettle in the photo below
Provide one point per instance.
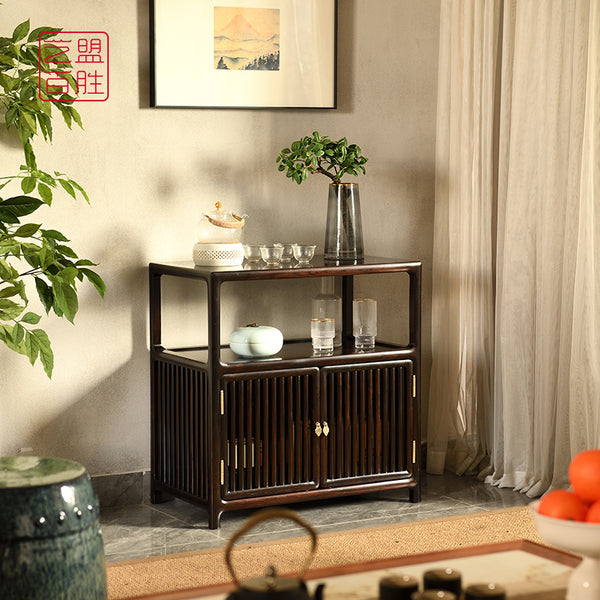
(272, 586)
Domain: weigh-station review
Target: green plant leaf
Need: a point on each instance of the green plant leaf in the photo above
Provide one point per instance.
(29, 155)
(20, 31)
(11, 115)
(45, 192)
(67, 187)
(80, 190)
(18, 334)
(28, 120)
(95, 280)
(52, 234)
(64, 110)
(44, 293)
(69, 274)
(66, 251)
(27, 230)
(31, 253)
(66, 299)
(9, 309)
(10, 291)
(28, 184)
(76, 116)
(31, 318)
(19, 206)
(47, 32)
(32, 347)
(45, 350)
(6, 335)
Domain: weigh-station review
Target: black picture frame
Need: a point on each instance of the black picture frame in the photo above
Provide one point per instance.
(243, 53)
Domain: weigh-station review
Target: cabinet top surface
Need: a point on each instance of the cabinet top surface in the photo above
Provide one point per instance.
(316, 268)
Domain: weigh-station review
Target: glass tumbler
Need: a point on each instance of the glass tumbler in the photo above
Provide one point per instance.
(364, 323)
(322, 332)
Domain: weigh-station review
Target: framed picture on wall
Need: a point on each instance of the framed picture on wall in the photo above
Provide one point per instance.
(243, 53)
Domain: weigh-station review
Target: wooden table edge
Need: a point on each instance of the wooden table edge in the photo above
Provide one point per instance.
(534, 548)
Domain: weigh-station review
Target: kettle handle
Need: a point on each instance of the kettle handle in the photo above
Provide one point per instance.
(264, 515)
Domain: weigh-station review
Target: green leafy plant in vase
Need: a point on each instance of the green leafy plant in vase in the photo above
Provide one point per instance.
(28, 251)
(318, 154)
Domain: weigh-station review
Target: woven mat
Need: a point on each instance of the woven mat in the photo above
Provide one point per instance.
(206, 567)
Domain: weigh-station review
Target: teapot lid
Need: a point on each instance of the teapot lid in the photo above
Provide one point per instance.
(222, 218)
(270, 582)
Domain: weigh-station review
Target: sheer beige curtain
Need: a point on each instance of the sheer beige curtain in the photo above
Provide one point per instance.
(463, 282)
(519, 383)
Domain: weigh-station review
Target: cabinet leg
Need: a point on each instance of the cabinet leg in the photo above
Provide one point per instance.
(158, 496)
(214, 517)
(414, 494)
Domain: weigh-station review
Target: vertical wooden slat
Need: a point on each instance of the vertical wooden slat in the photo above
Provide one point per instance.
(394, 431)
(258, 442)
(306, 433)
(347, 432)
(280, 434)
(377, 406)
(339, 425)
(401, 443)
(299, 418)
(194, 441)
(249, 462)
(272, 434)
(267, 438)
(286, 384)
(370, 424)
(385, 418)
(364, 433)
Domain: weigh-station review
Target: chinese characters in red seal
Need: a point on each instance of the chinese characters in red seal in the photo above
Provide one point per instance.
(76, 58)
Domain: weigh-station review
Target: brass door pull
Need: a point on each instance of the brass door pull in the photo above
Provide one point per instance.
(325, 429)
(318, 429)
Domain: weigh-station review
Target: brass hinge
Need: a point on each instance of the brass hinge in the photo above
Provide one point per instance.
(414, 386)
(414, 456)
(222, 397)
(222, 472)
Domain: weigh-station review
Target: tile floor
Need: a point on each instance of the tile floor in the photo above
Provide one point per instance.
(143, 530)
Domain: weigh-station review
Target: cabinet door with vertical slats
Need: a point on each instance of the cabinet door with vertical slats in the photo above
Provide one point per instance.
(269, 445)
(368, 412)
(180, 422)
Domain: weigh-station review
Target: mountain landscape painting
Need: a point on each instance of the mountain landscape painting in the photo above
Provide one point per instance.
(246, 39)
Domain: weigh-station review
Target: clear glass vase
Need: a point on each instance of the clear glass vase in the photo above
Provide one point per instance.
(327, 305)
(343, 234)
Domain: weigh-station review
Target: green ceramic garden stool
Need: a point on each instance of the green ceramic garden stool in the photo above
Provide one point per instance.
(50, 541)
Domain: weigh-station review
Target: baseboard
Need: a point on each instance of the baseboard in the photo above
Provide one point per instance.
(122, 489)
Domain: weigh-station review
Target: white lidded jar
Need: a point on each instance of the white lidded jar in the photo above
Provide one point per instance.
(256, 340)
(328, 305)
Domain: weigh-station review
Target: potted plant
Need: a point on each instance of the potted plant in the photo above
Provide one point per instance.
(334, 159)
(28, 251)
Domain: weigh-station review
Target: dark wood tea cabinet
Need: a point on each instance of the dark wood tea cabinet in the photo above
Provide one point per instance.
(232, 434)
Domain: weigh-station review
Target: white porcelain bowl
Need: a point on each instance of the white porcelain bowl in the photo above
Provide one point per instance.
(577, 537)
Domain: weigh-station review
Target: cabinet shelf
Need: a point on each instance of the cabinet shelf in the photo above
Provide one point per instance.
(230, 432)
(293, 350)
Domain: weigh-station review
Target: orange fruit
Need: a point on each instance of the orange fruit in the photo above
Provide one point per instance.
(562, 504)
(593, 513)
(584, 475)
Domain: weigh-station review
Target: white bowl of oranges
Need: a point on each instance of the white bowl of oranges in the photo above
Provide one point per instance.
(570, 520)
